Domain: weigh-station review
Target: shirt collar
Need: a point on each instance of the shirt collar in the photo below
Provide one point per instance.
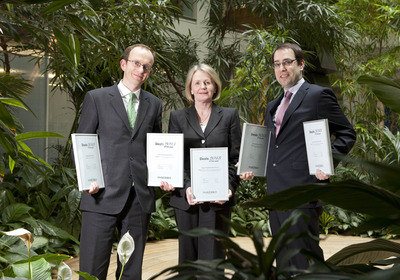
(125, 91)
(296, 87)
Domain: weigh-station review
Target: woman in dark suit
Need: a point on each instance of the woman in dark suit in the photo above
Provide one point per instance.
(204, 125)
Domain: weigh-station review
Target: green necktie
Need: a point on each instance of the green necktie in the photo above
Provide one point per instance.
(131, 111)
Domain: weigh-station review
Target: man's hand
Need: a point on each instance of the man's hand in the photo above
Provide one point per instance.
(321, 175)
(94, 188)
(249, 175)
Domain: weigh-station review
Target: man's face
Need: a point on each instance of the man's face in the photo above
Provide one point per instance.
(137, 68)
(289, 75)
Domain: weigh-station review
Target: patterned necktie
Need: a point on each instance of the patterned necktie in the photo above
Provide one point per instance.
(282, 110)
(131, 110)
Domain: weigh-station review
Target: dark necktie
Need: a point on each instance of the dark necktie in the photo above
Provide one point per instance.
(282, 110)
(131, 110)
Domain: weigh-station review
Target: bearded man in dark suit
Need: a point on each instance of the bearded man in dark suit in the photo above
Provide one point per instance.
(287, 161)
(126, 202)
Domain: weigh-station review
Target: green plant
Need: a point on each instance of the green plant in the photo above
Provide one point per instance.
(240, 264)
(34, 266)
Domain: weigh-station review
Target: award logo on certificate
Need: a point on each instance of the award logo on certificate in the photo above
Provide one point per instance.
(209, 174)
(165, 159)
(254, 149)
(87, 160)
(318, 144)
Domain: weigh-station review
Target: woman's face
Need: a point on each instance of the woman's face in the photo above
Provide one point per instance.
(202, 87)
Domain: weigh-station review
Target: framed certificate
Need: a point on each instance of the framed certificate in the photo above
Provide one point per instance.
(318, 144)
(209, 174)
(87, 160)
(254, 149)
(165, 159)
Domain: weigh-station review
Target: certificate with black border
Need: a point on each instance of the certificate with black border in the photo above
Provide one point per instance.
(87, 160)
(209, 174)
(165, 159)
(318, 144)
(254, 148)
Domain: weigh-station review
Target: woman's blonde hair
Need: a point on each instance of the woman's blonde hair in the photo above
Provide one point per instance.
(210, 71)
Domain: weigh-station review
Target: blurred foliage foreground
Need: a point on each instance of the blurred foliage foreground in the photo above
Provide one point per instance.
(378, 200)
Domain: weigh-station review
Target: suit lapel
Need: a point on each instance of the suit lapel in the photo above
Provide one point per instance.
(142, 111)
(297, 99)
(118, 105)
(193, 120)
(215, 117)
(274, 105)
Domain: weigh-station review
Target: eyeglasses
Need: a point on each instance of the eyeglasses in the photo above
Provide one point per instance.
(285, 63)
(137, 64)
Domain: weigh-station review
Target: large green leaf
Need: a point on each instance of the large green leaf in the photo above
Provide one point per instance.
(386, 90)
(40, 268)
(365, 253)
(37, 134)
(6, 117)
(14, 212)
(12, 102)
(7, 140)
(56, 5)
(385, 274)
(55, 231)
(48, 257)
(389, 175)
(351, 195)
(76, 49)
(86, 275)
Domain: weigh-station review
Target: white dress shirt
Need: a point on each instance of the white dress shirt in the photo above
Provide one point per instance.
(125, 94)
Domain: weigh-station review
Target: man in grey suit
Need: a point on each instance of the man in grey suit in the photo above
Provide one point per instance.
(126, 202)
(287, 161)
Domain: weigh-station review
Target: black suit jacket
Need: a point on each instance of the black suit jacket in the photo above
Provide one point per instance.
(223, 130)
(123, 151)
(287, 161)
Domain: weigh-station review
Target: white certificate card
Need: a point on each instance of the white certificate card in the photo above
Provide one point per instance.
(165, 159)
(209, 174)
(87, 160)
(254, 149)
(318, 144)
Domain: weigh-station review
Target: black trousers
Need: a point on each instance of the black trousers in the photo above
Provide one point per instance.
(204, 247)
(97, 235)
(277, 218)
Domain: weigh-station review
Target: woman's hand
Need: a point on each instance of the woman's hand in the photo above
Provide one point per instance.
(190, 196)
(223, 201)
(166, 187)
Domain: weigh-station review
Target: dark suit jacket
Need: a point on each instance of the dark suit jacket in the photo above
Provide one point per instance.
(223, 130)
(287, 161)
(123, 151)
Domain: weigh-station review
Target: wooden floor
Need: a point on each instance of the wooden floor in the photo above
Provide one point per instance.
(162, 254)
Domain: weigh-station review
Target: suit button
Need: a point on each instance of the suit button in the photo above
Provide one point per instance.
(276, 146)
(274, 164)
(203, 141)
(131, 158)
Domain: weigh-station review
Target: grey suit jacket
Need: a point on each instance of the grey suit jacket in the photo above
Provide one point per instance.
(287, 161)
(123, 151)
(223, 130)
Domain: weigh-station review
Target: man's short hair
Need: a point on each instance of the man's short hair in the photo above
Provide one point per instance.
(130, 48)
(298, 52)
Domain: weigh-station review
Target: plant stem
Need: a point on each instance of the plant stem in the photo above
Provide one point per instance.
(122, 269)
